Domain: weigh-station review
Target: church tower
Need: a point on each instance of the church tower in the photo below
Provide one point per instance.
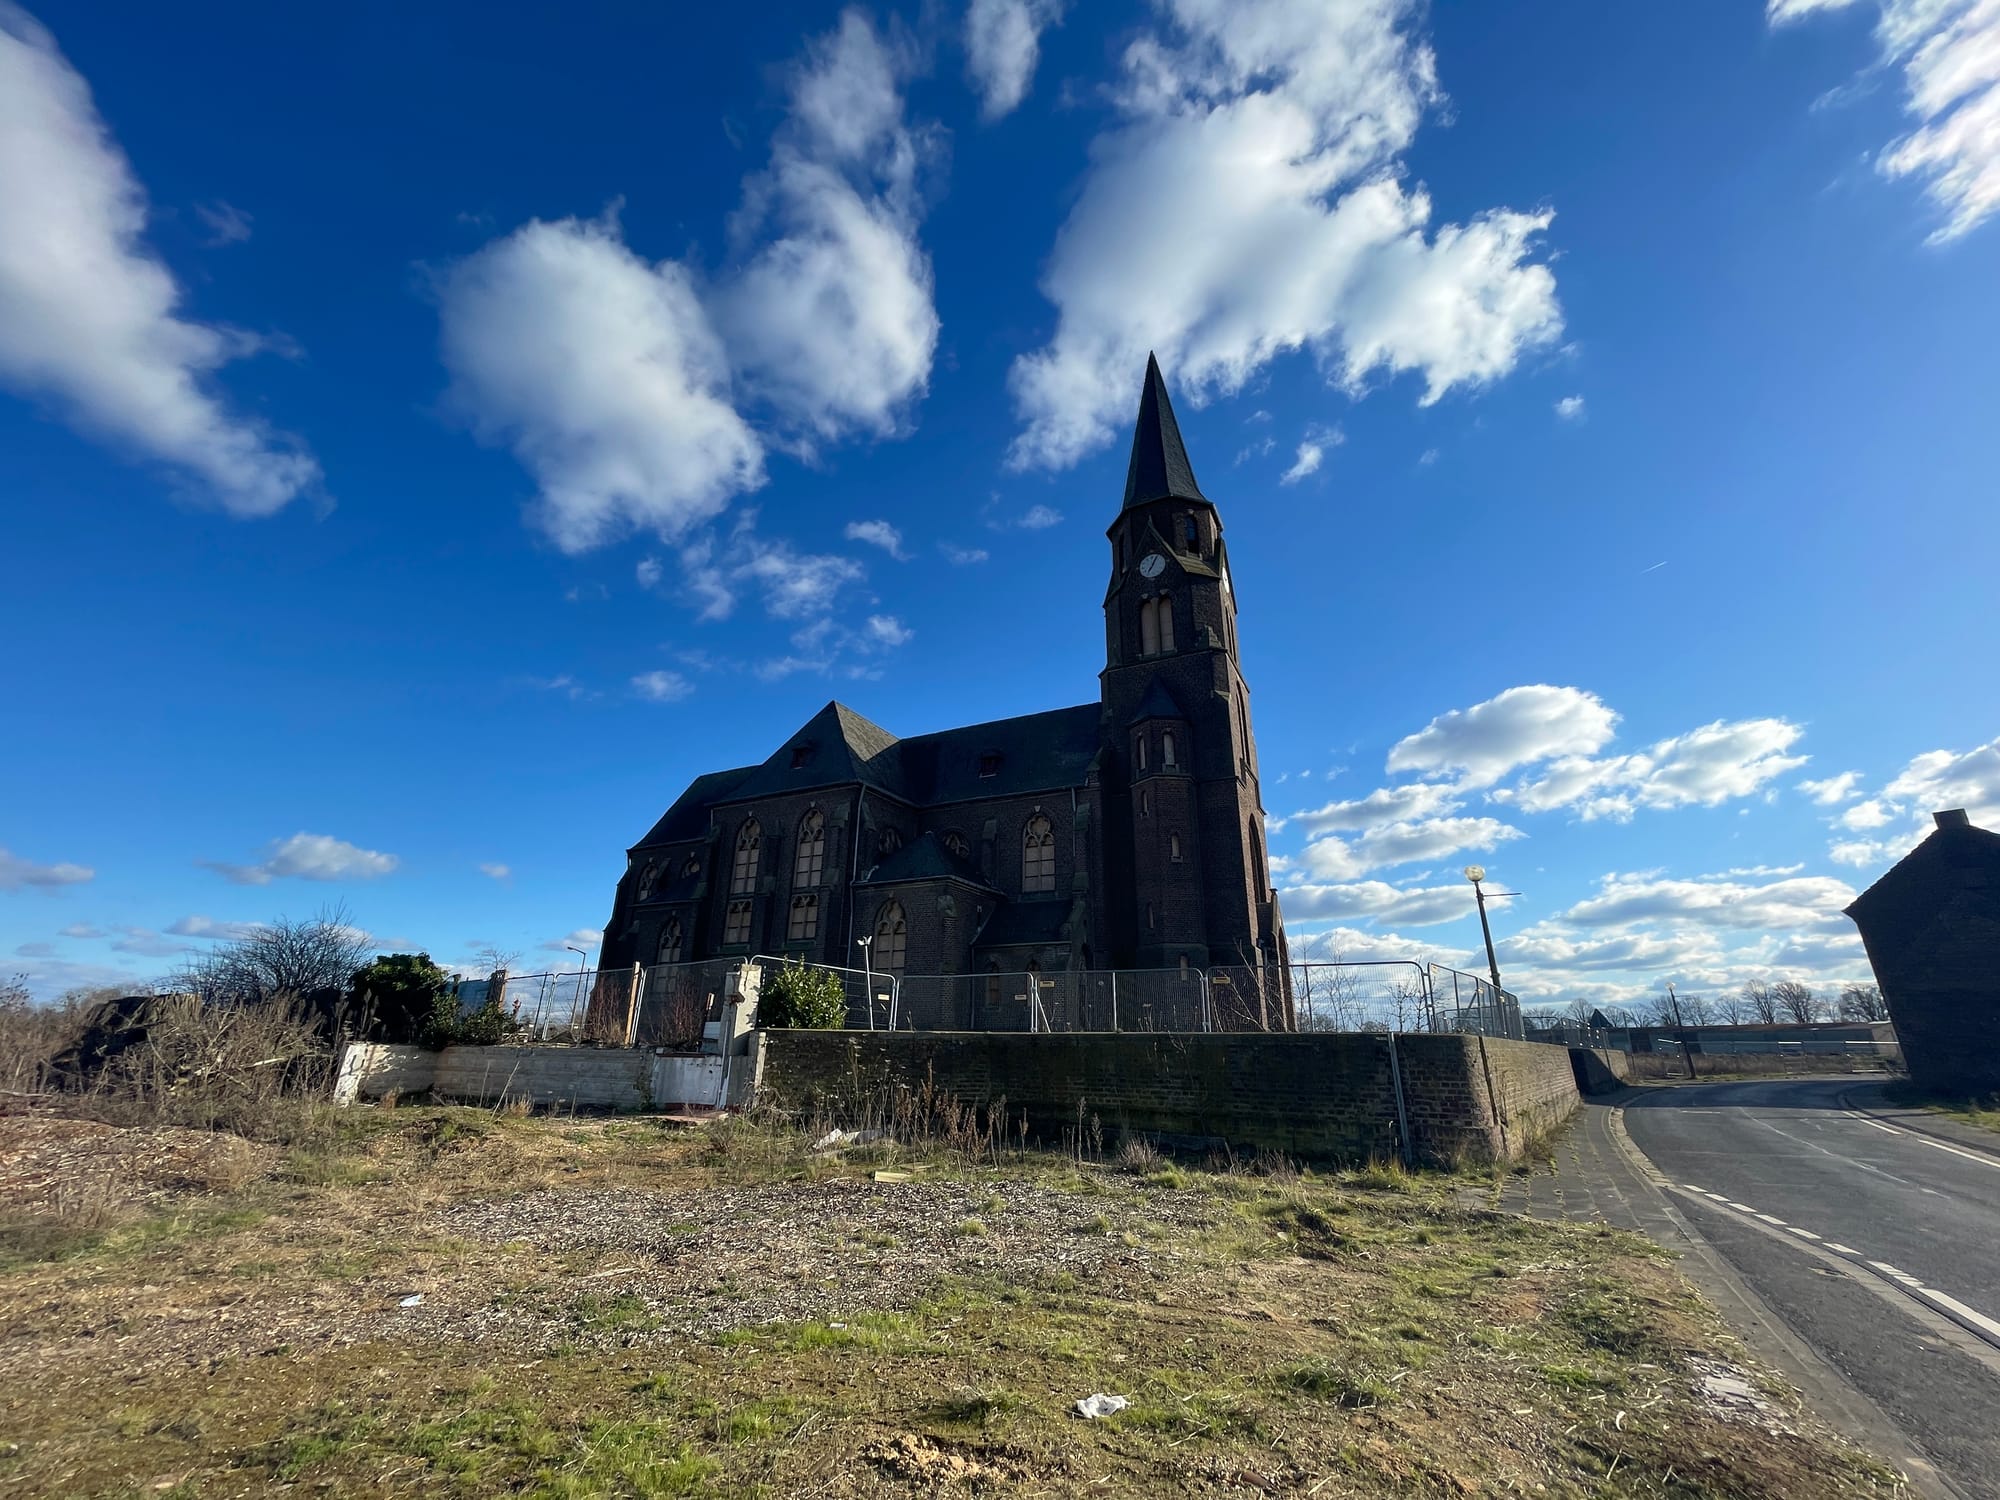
(1184, 817)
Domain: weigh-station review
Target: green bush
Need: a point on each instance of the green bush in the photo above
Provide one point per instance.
(803, 996)
(409, 998)
(481, 1028)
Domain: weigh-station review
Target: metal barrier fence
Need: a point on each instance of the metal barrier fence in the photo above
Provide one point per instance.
(1062, 1000)
(1365, 995)
(1465, 1002)
(871, 994)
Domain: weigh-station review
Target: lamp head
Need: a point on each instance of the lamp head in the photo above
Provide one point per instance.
(1475, 873)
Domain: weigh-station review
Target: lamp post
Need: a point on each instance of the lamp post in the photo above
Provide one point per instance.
(582, 963)
(867, 978)
(1687, 1052)
(1475, 874)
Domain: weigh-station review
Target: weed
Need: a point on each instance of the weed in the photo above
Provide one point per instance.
(1335, 1383)
(971, 1229)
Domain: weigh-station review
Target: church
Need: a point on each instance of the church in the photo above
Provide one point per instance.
(1124, 833)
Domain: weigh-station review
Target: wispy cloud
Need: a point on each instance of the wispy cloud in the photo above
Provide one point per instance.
(18, 874)
(309, 856)
(878, 534)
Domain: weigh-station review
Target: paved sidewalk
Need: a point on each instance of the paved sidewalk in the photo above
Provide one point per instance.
(1593, 1180)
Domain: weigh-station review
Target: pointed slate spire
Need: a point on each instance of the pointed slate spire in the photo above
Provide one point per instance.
(1159, 467)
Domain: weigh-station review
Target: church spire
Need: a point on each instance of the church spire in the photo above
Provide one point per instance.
(1159, 468)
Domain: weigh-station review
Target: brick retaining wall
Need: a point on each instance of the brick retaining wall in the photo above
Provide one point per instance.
(1316, 1096)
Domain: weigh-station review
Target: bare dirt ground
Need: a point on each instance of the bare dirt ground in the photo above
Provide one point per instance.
(616, 1308)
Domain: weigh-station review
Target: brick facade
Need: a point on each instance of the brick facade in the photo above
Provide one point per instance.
(1127, 833)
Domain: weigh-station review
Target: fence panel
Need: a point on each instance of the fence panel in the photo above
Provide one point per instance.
(675, 1003)
(871, 994)
(1364, 995)
(1467, 1003)
(1242, 998)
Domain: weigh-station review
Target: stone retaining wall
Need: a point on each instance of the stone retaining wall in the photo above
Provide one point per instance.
(1324, 1096)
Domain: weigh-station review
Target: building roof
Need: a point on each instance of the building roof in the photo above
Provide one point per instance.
(924, 858)
(1044, 752)
(1955, 858)
(1159, 469)
(1159, 703)
(1017, 924)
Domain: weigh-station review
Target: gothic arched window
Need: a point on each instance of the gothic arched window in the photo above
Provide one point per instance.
(1165, 608)
(810, 861)
(1139, 751)
(646, 878)
(890, 841)
(804, 924)
(1149, 627)
(1167, 749)
(892, 937)
(670, 942)
(1174, 847)
(736, 924)
(749, 842)
(1257, 856)
(1038, 856)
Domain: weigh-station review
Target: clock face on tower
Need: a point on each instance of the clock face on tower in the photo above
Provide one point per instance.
(1152, 565)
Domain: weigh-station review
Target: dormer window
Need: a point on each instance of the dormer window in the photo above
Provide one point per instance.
(801, 757)
(989, 763)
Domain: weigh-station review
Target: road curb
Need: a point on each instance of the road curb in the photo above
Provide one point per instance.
(1901, 1122)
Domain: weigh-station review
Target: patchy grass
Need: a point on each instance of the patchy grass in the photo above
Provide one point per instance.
(1983, 1111)
(1274, 1330)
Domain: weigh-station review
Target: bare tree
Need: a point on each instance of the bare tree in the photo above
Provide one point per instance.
(492, 958)
(1862, 1002)
(1761, 1002)
(281, 960)
(1796, 1001)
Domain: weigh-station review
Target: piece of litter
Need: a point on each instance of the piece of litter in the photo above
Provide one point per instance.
(412, 1300)
(836, 1325)
(1100, 1405)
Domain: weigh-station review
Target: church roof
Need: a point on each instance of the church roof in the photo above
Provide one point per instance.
(1159, 468)
(1958, 857)
(1017, 924)
(924, 858)
(1159, 703)
(838, 747)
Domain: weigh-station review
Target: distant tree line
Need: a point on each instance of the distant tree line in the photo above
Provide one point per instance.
(1758, 1003)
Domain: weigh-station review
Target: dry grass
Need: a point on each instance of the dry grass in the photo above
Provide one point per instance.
(1669, 1066)
(1276, 1330)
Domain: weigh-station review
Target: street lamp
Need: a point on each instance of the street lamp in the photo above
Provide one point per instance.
(1475, 874)
(867, 978)
(1687, 1052)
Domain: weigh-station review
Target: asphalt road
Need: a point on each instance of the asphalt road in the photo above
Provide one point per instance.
(1878, 1248)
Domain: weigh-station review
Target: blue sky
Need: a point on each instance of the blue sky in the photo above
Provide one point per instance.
(427, 439)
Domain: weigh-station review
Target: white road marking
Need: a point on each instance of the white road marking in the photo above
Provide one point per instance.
(1768, 1219)
(1802, 1233)
(1959, 1309)
(1716, 1196)
(1690, 1187)
(1843, 1249)
(1968, 1155)
(1742, 1207)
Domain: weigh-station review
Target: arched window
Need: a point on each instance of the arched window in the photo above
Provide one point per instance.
(1149, 627)
(749, 843)
(1151, 923)
(736, 924)
(804, 924)
(1174, 847)
(1188, 534)
(811, 859)
(1139, 751)
(892, 938)
(670, 942)
(955, 842)
(1257, 856)
(1165, 608)
(692, 868)
(1145, 803)
(1167, 749)
(646, 878)
(890, 841)
(1038, 856)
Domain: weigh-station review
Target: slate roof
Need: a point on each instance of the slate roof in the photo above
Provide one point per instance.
(924, 858)
(1044, 752)
(1159, 468)
(1020, 923)
(1159, 703)
(1956, 859)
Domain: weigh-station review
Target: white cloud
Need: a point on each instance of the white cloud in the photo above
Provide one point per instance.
(1873, 813)
(1570, 408)
(1804, 901)
(1861, 853)
(226, 223)
(832, 321)
(310, 856)
(1360, 945)
(648, 572)
(962, 557)
(605, 377)
(622, 384)
(1704, 767)
(1940, 779)
(1278, 127)
(206, 927)
(586, 938)
(1379, 901)
(1002, 44)
(146, 943)
(1039, 518)
(1308, 462)
(662, 686)
(1389, 804)
(1515, 728)
(1949, 51)
(792, 585)
(1337, 859)
(495, 871)
(17, 873)
(878, 534)
(886, 630)
(89, 314)
(1834, 789)
(81, 930)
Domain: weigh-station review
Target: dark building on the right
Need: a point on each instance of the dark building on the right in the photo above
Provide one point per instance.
(1932, 930)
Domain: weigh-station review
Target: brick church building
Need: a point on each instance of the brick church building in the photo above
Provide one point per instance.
(1126, 833)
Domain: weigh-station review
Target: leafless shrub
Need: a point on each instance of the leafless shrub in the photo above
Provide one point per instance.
(281, 961)
(1137, 1157)
(32, 1035)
